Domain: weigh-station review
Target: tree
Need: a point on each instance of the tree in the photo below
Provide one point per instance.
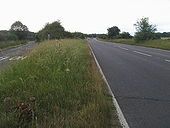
(145, 31)
(53, 31)
(113, 31)
(125, 35)
(102, 36)
(78, 35)
(19, 30)
(7, 36)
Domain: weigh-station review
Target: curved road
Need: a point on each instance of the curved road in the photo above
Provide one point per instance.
(140, 80)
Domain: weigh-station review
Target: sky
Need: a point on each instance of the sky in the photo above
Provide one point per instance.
(87, 16)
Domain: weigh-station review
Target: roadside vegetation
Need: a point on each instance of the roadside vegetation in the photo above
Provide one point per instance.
(11, 44)
(55, 30)
(17, 35)
(145, 36)
(57, 85)
(160, 43)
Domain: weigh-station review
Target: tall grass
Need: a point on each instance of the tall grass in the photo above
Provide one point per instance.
(8, 44)
(57, 86)
(161, 44)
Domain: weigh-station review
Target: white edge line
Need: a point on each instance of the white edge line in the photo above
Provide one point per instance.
(119, 111)
(142, 53)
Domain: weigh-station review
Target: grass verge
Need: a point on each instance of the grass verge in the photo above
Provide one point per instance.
(10, 44)
(161, 44)
(57, 85)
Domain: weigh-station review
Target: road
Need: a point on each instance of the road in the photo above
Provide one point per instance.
(140, 80)
(14, 54)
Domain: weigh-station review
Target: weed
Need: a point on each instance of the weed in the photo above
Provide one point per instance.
(57, 85)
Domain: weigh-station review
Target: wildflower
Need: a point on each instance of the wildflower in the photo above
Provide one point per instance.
(23, 106)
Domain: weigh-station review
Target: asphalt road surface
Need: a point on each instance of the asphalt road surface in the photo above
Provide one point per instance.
(140, 80)
(14, 54)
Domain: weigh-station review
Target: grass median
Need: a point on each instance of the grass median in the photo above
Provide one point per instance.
(161, 44)
(11, 44)
(57, 85)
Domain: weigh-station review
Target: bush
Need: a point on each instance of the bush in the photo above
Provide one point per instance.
(125, 35)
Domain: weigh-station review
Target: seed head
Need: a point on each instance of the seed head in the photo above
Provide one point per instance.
(7, 99)
(32, 99)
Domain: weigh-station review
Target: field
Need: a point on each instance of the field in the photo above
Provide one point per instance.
(10, 44)
(57, 86)
(161, 44)
(165, 38)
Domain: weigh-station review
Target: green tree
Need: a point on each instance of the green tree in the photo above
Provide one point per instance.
(19, 30)
(102, 36)
(113, 31)
(78, 35)
(125, 35)
(145, 31)
(53, 31)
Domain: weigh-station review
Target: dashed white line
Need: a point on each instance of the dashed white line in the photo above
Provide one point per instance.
(18, 58)
(142, 53)
(3, 58)
(123, 48)
(167, 60)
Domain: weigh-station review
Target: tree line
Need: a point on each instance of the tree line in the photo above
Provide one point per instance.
(54, 30)
(144, 31)
(18, 31)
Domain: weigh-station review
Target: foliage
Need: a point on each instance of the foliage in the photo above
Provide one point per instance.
(113, 31)
(68, 35)
(52, 31)
(78, 35)
(164, 34)
(19, 30)
(59, 85)
(9, 44)
(145, 31)
(8, 36)
(157, 43)
(125, 35)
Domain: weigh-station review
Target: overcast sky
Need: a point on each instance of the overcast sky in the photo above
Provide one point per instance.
(87, 16)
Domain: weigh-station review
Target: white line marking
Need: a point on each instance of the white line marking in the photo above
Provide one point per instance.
(123, 48)
(18, 58)
(167, 60)
(3, 58)
(142, 53)
(118, 109)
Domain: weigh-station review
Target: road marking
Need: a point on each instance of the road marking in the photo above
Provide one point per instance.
(3, 58)
(123, 48)
(18, 58)
(121, 117)
(142, 53)
(167, 60)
